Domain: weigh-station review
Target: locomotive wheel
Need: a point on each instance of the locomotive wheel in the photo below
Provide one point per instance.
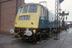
(34, 41)
(56, 39)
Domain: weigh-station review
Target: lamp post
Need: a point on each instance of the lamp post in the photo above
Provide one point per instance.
(57, 10)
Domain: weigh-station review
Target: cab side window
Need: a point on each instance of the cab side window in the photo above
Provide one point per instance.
(44, 13)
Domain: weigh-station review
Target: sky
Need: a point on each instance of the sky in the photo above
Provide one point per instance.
(66, 5)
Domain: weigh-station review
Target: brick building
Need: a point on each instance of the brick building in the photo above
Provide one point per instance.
(8, 13)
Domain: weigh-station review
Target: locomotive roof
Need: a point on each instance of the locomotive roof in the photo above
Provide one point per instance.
(32, 4)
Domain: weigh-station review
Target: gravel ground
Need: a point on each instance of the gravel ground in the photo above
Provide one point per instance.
(8, 41)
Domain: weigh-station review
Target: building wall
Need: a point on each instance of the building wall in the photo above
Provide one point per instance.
(3, 0)
(0, 17)
(8, 13)
(20, 2)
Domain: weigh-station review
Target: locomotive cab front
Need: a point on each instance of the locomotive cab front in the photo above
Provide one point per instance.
(27, 17)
